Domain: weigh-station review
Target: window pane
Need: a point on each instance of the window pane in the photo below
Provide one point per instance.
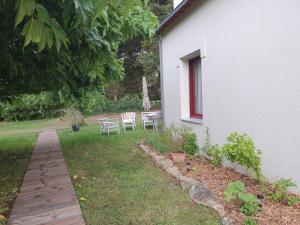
(197, 87)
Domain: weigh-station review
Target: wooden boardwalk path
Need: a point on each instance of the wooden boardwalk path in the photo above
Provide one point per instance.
(47, 195)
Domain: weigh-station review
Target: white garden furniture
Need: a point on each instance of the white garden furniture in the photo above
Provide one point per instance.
(109, 125)
(128, 120)
(146, 121)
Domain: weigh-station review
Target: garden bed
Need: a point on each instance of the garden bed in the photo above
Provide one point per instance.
(242, 191)
(217, 178)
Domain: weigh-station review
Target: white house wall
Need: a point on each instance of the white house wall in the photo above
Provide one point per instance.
(251, 76)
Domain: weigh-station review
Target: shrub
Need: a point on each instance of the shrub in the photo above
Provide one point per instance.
(240, 148)
(126, 103)
(74, 116)
(280, 192)
(247, 202)
(31, 106)
(189, 145)
(215, 153)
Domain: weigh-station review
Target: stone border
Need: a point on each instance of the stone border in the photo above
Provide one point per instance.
(197, 191)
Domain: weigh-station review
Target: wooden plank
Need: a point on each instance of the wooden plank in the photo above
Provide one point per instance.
(47, 195)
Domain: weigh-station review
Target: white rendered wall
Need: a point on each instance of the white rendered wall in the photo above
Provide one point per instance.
(251, 76)
(176, 3)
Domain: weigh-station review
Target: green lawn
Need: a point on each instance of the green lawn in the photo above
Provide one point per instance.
(118, 184)
(15, 151)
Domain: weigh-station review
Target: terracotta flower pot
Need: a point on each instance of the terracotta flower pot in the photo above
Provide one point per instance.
(178, 156)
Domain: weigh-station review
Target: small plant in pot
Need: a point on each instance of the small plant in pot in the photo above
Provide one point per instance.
(175, 140)
(74, 117)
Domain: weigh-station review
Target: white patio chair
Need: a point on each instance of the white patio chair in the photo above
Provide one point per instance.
(128, 120)
(146, 121)
(109, 125)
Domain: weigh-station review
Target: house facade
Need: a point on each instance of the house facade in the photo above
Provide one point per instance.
(234, 65)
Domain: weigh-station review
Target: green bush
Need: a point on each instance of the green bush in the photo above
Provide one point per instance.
(126, 103)
(33, 106)
(215, 153)
(240, 148)
(190, 146)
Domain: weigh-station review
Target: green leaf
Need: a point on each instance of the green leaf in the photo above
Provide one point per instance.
(21, 12)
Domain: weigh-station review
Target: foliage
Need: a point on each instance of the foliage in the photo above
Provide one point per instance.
(215, 153)
(190, 146)
(175, 140)
(247, 202)
(2, 220)
(126, 103)
(141, 56)
(56, 44)
(240, 148)
(74, 116)
(249, 221)
(280, 192)
(30, 106)
(158, 142)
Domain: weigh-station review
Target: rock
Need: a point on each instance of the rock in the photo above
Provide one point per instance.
(227, 221)
(187, 182)
(174, 172)
(165, 163)
(158, 158)
(144, 148)
(201, 195)
(219, 208)
(152, 154)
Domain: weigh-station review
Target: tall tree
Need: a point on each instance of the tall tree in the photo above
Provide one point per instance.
(141, 56)
(50, 44)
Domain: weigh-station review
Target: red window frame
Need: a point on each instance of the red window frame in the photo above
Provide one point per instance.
(192, 74)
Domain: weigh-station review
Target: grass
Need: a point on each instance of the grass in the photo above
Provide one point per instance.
(159, 142)
(15, 151)
(118, 184)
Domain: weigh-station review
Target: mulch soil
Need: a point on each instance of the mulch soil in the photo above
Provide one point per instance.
(217, 179)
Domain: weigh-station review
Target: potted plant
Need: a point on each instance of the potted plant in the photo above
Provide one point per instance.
(74, 117)
(176, 142)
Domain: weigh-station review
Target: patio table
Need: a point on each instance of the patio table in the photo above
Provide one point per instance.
(155, 116)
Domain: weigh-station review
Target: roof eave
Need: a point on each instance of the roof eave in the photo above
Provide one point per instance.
(173, 15)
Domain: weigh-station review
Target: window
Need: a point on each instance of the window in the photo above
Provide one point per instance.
(195, 88)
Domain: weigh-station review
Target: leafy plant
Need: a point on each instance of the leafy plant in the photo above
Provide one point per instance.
(280, 192)
(247, 202)
(249, 221)
(233, 189)
(240, 148)
(215, 154)
(189, 145)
